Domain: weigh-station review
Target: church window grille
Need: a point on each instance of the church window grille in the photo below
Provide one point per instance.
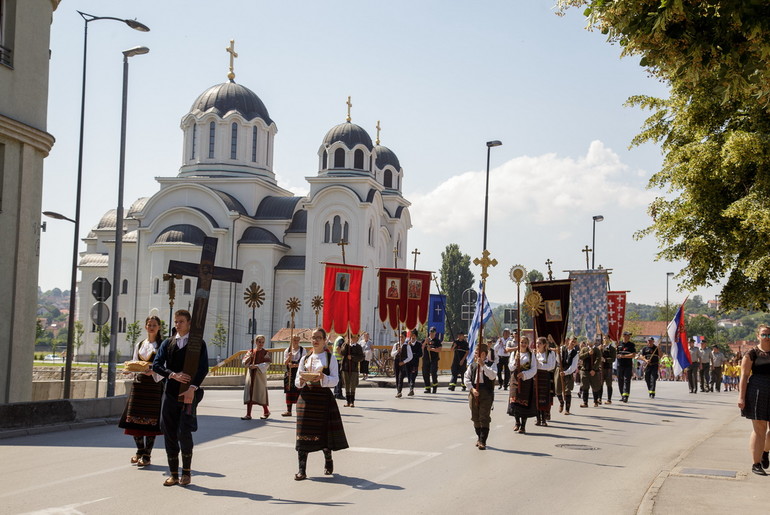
(124, 287)
(7, 29)
(212, 131)
(339, 158)
(194, 137)
(388, 179)
(234, 141)
(370, 162)
(358, 159)
(324, 160)
(345, 233)
(156, 286)
(187, 287)
(336, 229)
(398, 182)
(327, 232)
(254, 144)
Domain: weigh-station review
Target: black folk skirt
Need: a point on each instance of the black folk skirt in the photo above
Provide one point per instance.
(757, 398)
(319, 424)
(141, 416)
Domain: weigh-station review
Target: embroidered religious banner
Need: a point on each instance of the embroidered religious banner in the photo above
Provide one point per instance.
(616, 314)
(342, 298)
(588, 302)
(552, 315)
(404, 296)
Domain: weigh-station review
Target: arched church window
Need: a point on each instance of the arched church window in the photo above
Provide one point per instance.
(345, 233)
(336, 229)
(234, 141)
(388, 179)
(324, 160)
(339, 158)
(187, 287)
(194, 137)
(371, 234)
(212, 130)
(327, 233)
(358, 159)
(398, 182)
(156, 286)
(124, 287)
(254, 144)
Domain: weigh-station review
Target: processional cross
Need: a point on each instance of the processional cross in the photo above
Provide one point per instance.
(548, 263)
(206, 272)
(342, 244)
(416, 253)
(587, 250)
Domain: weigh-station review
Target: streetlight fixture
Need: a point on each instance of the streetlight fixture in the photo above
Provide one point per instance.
(668, 276)
(118, 255)
(597, 218)
(87, 18)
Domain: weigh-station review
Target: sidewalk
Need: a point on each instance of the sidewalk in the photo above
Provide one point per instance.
(712, 476)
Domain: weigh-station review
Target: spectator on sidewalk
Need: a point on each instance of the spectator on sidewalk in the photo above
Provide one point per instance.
(754, 399)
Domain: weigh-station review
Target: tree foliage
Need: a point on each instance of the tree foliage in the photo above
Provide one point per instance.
(456, 277)
(219, 339)
(714, 131)
(133, 332)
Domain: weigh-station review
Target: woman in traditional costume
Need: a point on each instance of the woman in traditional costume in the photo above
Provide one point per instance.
(291, 357)
(255, 390)
(523, 365)
(141, 417)
(319, 425)
(546, 363)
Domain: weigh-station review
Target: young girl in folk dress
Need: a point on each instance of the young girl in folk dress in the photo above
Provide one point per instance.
(291, 357)
(523, 365)
(319, 425)
(141, 417)
(255, 390)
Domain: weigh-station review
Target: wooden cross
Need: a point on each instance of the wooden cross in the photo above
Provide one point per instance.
(548, 263)
(342, 244)
(233, 55)
(587, 250)
(378, 133)
(485, 263)
(349, 106)
(395, 257)
(205, 272)
(416, 253)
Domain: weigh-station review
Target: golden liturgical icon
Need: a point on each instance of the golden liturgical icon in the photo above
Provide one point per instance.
(254, 296)
(534, 304)
(517, 273)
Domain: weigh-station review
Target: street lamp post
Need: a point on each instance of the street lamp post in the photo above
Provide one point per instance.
(668, 315)
(597, 218)
(87, 18)
(117, 256)
(490, 144)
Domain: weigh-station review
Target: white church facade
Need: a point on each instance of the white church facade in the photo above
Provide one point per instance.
(226, 188)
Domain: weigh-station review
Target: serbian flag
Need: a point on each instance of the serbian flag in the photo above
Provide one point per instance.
(342, 298)
(677, 335)
(404, 296)
(616, 314)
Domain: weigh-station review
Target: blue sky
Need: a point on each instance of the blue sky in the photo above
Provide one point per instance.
(443, 77)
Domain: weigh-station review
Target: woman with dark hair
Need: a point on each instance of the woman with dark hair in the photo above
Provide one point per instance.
(523, 403)
(141, 417)
(291, 358)
(319, 425)
(754, 399)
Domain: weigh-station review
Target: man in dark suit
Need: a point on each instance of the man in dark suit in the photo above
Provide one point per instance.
(177, 415)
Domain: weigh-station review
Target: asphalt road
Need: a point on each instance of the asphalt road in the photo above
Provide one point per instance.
(414, 454)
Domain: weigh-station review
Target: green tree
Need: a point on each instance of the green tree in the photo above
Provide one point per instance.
(103, 338)
(133, 332)
(456, 277)
(701, 326)
(39, 331)
(219, 339)
(78, 336)
(714, 131)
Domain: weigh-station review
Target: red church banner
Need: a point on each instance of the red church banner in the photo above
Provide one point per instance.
(342, 298)
(616, 314)
(404, 296)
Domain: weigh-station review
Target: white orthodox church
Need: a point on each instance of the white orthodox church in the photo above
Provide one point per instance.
(226, 188)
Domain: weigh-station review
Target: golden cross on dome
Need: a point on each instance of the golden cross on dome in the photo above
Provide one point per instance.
(233, 55)
(378, 133)
(485, 263)
(349, 106)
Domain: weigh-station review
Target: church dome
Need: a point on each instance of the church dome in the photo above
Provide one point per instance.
(385, 157)
(350, 134)
(231, 97)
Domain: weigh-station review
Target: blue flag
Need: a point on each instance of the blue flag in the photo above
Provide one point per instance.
(436, 317)
(473, 332)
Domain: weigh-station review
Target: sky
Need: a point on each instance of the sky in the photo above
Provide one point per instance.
(443, 77)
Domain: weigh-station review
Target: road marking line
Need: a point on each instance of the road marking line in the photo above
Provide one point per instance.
(368, 450)
(68, 509)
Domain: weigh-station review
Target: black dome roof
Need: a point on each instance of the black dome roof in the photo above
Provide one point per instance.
(385, 157)
(229, 96)
(350, 134)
